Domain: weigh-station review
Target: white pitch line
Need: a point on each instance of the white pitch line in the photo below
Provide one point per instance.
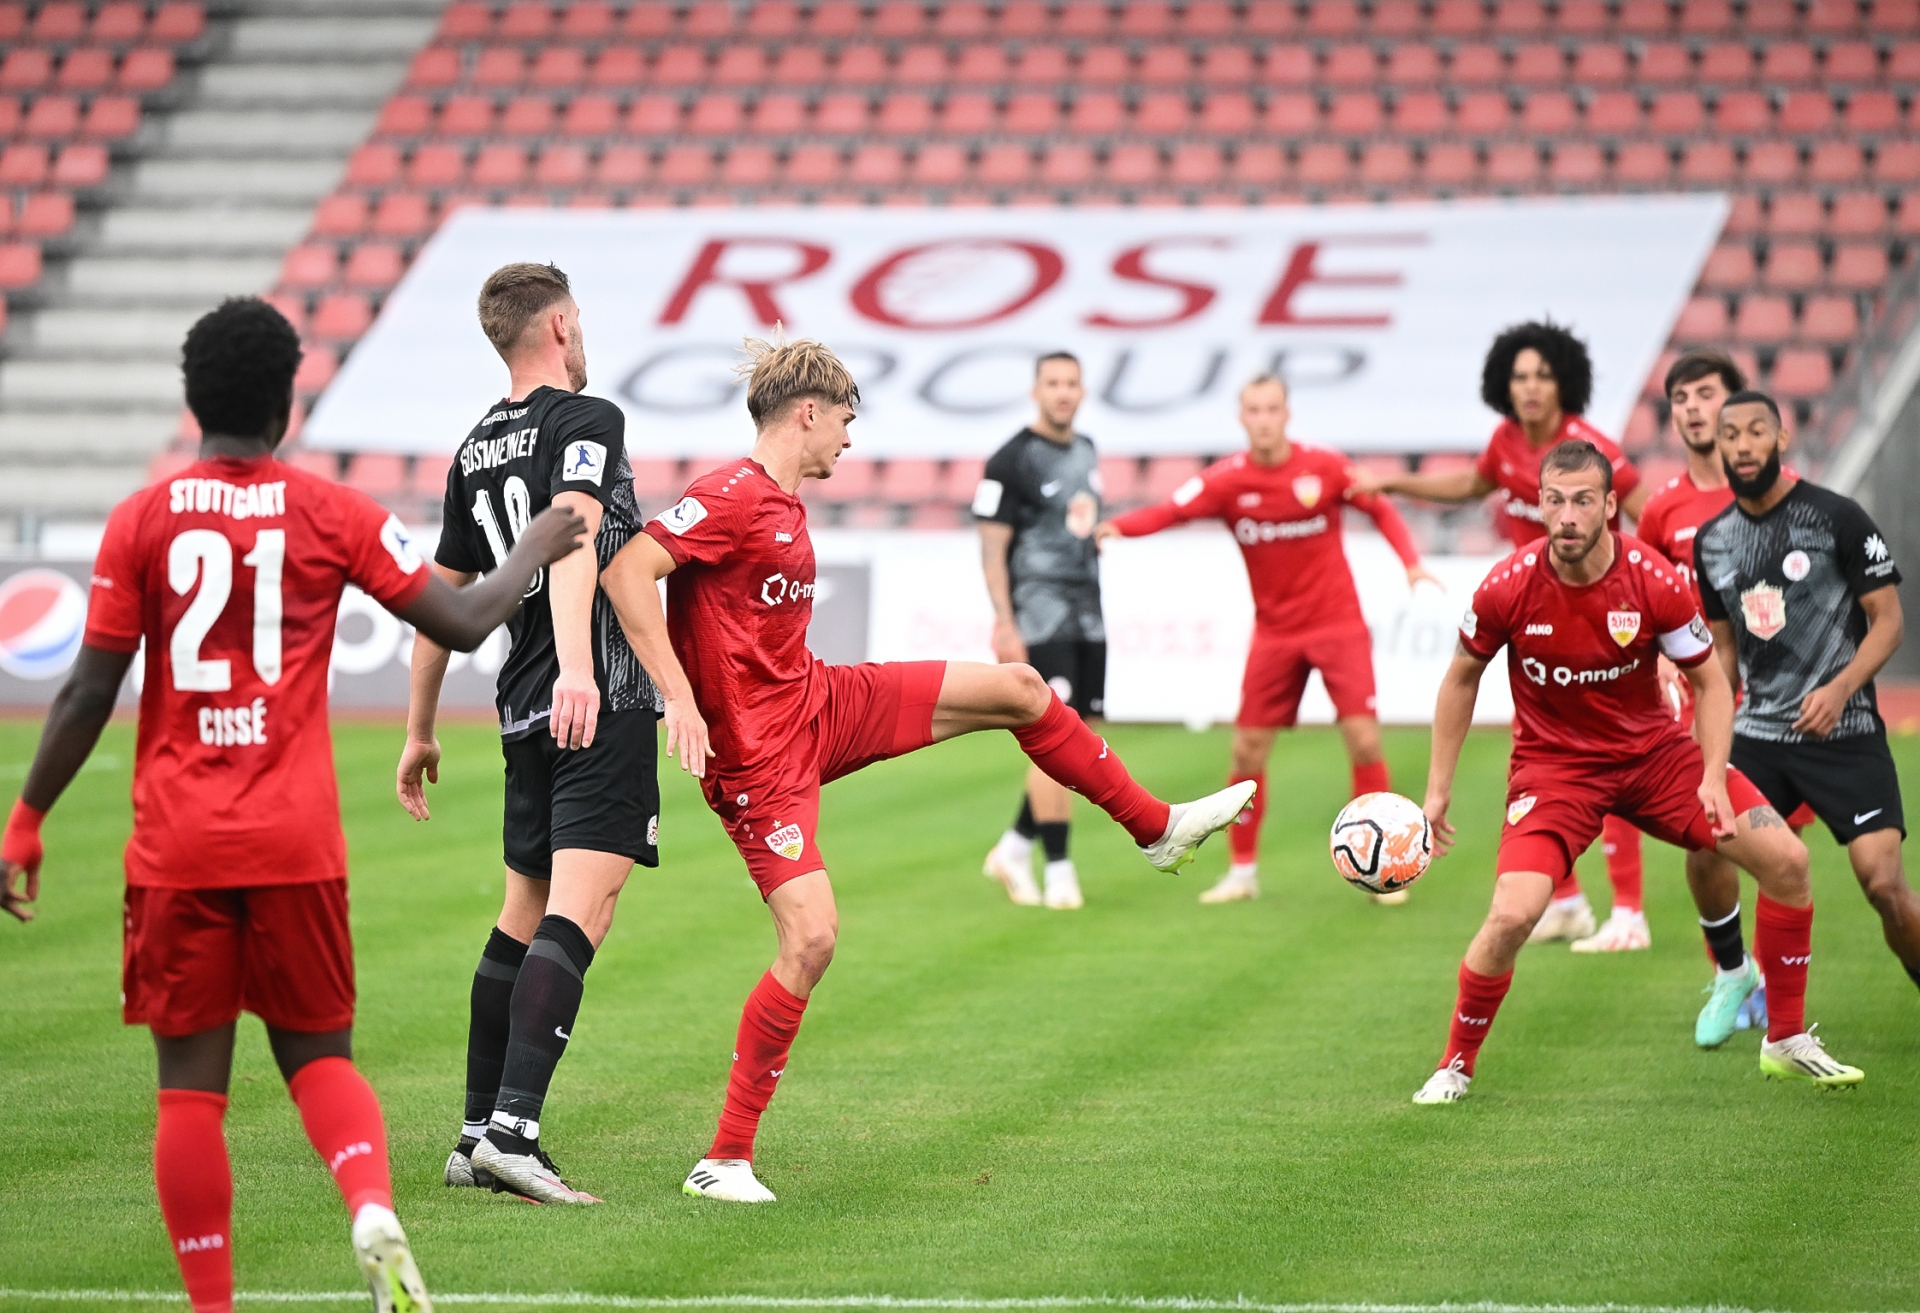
(961, 1304)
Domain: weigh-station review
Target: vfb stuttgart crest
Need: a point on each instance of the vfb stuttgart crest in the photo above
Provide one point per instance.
(1624, 626)
(1764, 607)
(788, 842)
(1306, 489)
(1517, 809)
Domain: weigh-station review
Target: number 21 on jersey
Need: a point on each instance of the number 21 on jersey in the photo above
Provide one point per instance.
(205, 557)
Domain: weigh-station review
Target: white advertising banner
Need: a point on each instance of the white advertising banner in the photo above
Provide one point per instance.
(1179, 617)
(1378, 316)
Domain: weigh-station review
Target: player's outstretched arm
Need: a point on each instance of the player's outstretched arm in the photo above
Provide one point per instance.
(996, 540)
(1454, 486)
(79, 712)
(1713, 727)
(462, 618)
(1452, 717)
(631, 581)
(427, 671)
(1821, 709)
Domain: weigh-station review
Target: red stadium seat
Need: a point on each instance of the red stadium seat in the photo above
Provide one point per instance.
(708, 18)
(1228, 65)
(1513, 164)
(939, 164)
(1642, 164)
(466, 21)
(968, 113)
(1458, 18)
(1577, 164)
(1550, 113)
(1119, 480)
(876, 164)
(1226, 113)
(405, 116)
(1289, 66)
(1801, 372)
(26, 69)
(1642, 433)
(1291, 115)
(178, 21)
(1540, 64)
(1771, 16)
(716, 114)
(617, 68)
(527, 116)
(19, 264)
(1858, 214)
(1097, 113)
(499, 164)
(1850, 61)
(1793, 267)
(1704, 319)
(60, 22)
(1067, 164)
(853, 480)
(437, 165)
(1796, 213)
(1739, 112)
(1903, 62)
(85, 70)
(1164, 474)
(1165, 64)
(749, 164)
(909, 114)
(910, 481)
(1519, 17)
(1105, 66)
(1163, 113)
(834, 18)
(1449, 164)
(559, 66)
(1205, 18)
(779, 114)
(981, 64)
(1829, 319)
(1420, 113)
(844, 114)
(402, 214)
(1772, 162)
(1196, 164)
(1897, 161)
(1872, 111)
(1706, 163)
(525, 21)
(377, 473)
(1612, 112)
(1644, 18)
(1726, 63)
(1269, 18)
(1042, 66)
(680, 66)
(1386, 164)
(813, 164)
(967, 19)
(1699, 17)
(1836, 161)
(1324, 164)
(466, 116)
(373, 265)
(499, 66)
(921, 66)
(1355, 113)
(341, 316)
(623, 166)
(436, 66)
(1413, 65)
(343, 214)
(1394, 18)
(1664, 62)
(1133, 164)
(1730, 267)
(653, 116)
(1476, 65)
(1832, 16)
(81, 165)
(1806, 111)
(45, 214)
(1677, 113)
(1350, 66)
(1483, 113)
(686, 165)
(53, 118)
(590, 116)
(309, 266)
(1258, 163)
(1333, 18)
(562, 165)
(1859, 267)
(1023, 18)
(1763, 318)
(119, 23)
(1787, 62)
(1598, 64)
(1894, 15)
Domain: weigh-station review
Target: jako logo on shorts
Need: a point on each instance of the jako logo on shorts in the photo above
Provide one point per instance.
(43, 615)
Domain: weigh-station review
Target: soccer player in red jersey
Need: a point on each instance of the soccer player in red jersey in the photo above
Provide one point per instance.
(1283, 502)
(231, 573)
(730, 652)
(1539, 377)
(1583, 616)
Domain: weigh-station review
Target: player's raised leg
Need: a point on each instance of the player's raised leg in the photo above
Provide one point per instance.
(1520, 898)
(976, 697)
(808, 924)
(1625, 929)
(1715, 884)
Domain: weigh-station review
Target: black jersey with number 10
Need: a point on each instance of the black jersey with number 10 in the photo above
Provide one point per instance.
(508, 470)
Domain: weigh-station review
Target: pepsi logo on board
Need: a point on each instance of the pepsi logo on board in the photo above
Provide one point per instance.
(43, 615)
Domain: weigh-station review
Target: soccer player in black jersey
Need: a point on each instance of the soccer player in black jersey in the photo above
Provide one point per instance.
(1797, 580)
(1037, 505)
(577, 717)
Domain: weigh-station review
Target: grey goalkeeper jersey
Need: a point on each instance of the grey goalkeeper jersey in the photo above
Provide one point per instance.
(1049, 494)
(1789, 582)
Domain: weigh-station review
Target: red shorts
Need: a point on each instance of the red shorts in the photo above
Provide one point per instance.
(194, 959)
(1555, 808)
(1802, 815)
(872, 712)
(1277, 670)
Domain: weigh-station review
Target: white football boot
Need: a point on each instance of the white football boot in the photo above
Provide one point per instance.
(1802, 1057)
(529, 1175)
(1623, 932)
(1012, 865)
(1447, 1085)
(1239, 884)
(1063, 887)
(1565, 918)
(1189, 823)
(731, 1179)
(381, 1248)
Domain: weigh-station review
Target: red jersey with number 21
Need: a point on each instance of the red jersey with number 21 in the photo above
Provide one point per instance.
(1581, 658)
(231, 573)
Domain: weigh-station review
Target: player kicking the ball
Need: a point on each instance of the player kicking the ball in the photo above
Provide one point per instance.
(231, 573)
(740, 578)
(1583, 616)
(1283, 502)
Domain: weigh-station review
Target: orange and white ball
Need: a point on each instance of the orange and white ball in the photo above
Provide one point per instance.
(1381, 842)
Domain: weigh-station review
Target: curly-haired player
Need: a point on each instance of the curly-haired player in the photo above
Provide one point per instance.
(1539, 378)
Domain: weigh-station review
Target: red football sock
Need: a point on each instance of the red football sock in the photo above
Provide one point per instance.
(1243, 836)
(342, 1117)
(1620, 841)
(196, 1194)
(1061, 745)
(1370, 778)
(767, 1026)
(1783, 945)
(1473, 1014)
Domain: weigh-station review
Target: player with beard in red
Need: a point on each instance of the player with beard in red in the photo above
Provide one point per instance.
(1583, 617)
(1539, 377)
(1283, 501)
(731, 652)
(230, 574)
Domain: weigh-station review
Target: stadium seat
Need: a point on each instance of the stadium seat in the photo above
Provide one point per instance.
(562, 165)
(740, 66)
(909, 481)
(1772, 162)
(1420, 113)
(80, 165)
(45, 214)
(1793, 267)
(466, 21)
(1355, 114)
(527, 116)
(1763, 318)
(1770, 16)
(1644, 18)
(402, 214)
(499, 66)
(1836, 161)
(405, 115)
(853, 480)
(1289, 66)
(1806, 112)
(1703, 319)
(1483, 113)
(938, 164)
(1324, 164)
(309, 266)
(1386, 164)
(1196, 164)
(343, 214)
(1350, 66)
(1710, 162)
(1597, 64)
(466, 116)
(1449, 164)
(341, 316)
(1613, 112)
(53, 118)
(119, 23)
(1042, 66)
(25, 68)
(436, 66)
(1209, 18)
(1476, 65)
(1067, 164)
(1413, 65)
(1796, 213)
(1031, 113)
(1513, 164)
(19, 264)
(1164, 474)
(1291, 115)
(436, 165)
(1872, 110)
(1738, 112)
(876, 164)
(715, 114)
(1577, 165)
(1227, 65)
(749, 164)
(499, 164)
(1645, 164)
(1550, 113)
(679, 66)
(1133, 164)
(779, 114)
(375, 164)
(1786, 62)
(1705, 17)
(1663, 63)
(1677, 113)
(1858, 214)
(429, 476)
(378, 473)
(1162, 113)
(1457, 18)
(1860, 267)
(1833, 319)
(1332, 18)
(1801, 372)
(981, 64)
(1642, 433)
(1725, 63)
(1897, 161)
(1097, 113)
(1258, 163)
(617, 68)
(1729, 268)
(686, 165)
(623, 166)
(85, 70)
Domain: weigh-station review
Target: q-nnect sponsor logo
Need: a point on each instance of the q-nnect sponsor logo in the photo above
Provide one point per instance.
(43, 615)
(1566, 675)
(1250, 531)
(777, 588)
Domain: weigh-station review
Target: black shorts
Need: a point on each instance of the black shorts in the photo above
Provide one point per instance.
(604, 798)
(1850, 783)
(1076, 670)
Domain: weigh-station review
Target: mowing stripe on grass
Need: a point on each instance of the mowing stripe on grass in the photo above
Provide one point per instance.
(1174, 1304)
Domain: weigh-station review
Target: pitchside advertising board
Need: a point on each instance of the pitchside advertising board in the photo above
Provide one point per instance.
(1179, 616)
(1378, 316)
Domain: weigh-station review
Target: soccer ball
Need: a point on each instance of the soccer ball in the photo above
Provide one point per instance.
(1381, 842)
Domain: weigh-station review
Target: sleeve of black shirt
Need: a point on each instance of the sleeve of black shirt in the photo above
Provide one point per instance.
(1866, 559)
(588, 443)
(998, 503)
(1711, 604)
(459, 548)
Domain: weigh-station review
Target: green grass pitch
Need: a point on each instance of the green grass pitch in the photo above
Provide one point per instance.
(1147, 1098)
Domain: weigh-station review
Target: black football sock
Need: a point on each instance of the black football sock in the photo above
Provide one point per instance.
(1024, 825)
(546, 999)
(1723, 940)
(488, 1021)
(1053, 838)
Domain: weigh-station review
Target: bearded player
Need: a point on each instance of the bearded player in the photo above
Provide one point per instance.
(231, 573)
(1583, 617)
(1283, 502)
(1539, 377)
(740, 575)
